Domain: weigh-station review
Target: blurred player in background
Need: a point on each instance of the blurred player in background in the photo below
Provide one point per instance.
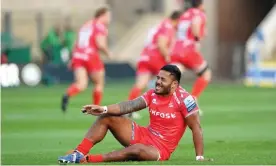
(185, 54)
(155, 54)
(171, 110)
(92, 38)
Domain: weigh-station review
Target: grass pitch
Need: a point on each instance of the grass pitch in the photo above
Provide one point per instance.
(239, 125)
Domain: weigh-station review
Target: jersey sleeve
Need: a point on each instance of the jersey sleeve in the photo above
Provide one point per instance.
(188, 105)
(147, 96)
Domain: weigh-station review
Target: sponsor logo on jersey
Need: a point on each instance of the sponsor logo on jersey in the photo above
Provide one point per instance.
(189, 103)
(163, 115)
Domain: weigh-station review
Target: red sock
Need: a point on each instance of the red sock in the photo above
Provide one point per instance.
(73, 90)
(135, 92)
(97, 97)
(85, 146)
(94, 158)
(199, 85)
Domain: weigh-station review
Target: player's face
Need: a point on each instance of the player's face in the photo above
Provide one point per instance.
(175, 23)
(107, 18)
(164, 83)
(201, 7)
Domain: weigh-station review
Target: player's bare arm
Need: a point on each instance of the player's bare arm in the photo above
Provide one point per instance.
(132, 105)
(196, 25)
(162, 44)
(102, 44)
(116, 109)
(193, 122)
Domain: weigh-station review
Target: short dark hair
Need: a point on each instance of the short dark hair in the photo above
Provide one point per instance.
(175, 15)
(196, 3)
(174, 70)
(101, 11)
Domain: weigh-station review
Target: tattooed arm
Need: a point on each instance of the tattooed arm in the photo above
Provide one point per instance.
(127, 106)
(116, 109)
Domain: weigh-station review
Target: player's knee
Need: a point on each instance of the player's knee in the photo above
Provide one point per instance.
(108, 119)
(142, 81)
(98, 84)
(205, 72)
(140, 85)
(99, 87)
(98, 78)
(104, 118)
(82, 85)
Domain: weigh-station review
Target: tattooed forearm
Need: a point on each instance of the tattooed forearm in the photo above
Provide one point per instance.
(132, 105)
(127, 107)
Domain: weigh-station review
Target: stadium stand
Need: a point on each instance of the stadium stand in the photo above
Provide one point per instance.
(261, 55)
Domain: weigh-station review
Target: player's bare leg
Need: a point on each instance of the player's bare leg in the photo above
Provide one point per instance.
(204, 77)
(137, 152)
(141, 83)
(120, 127)
(98, 80)
(80, 84)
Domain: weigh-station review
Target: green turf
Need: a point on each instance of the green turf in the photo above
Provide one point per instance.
(239, 125)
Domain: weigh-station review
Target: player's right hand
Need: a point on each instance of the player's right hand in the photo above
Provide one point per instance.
(95, 110)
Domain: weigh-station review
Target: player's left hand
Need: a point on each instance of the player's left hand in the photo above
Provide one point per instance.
(95, 110)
